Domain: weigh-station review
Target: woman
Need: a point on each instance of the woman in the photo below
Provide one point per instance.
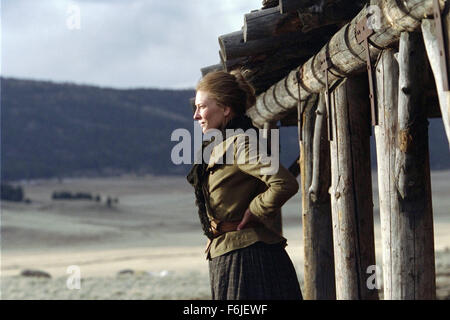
(238, 202)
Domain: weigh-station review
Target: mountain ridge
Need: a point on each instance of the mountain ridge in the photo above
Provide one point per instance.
(51, 129)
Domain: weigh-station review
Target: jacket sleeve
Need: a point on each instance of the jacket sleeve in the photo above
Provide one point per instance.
(281, 184)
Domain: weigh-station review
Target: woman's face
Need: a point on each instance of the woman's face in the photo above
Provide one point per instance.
(208, 113)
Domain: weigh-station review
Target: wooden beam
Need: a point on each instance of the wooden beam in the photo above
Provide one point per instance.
(385, 137)
(347, 56)
(287, 6)
(231, 42)
(268, 23)
(269, 4)
(413, 266)
(432, 48)
(232, 45)
(211, 68)
(267, 68)
(351, 190)
(316, 210)
(231, 64)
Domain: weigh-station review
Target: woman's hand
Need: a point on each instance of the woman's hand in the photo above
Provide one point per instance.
(248, 217)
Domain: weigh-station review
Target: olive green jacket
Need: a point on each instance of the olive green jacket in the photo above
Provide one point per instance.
(232, 187)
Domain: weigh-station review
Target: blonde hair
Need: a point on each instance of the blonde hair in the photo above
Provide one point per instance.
(229, 89)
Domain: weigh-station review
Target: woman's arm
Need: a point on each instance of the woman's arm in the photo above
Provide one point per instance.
(281, 184)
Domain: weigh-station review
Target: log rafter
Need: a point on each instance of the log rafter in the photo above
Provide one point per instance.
(346, 54)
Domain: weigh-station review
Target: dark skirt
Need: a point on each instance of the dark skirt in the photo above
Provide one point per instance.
(258, 272)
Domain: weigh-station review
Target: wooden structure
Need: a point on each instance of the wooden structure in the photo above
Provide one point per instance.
(332, 67)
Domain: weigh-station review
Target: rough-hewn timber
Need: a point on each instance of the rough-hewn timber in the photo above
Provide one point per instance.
(268, 23)
(432, 48)
(316, 211)
(286, 6)
(346, 54)
(386, 72)
(413, 266)
(208, 69)
(351, 191)
(232, 45)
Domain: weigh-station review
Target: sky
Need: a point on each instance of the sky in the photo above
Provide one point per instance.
(116, 43)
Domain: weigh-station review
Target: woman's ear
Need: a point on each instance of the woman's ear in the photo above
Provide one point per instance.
(227, 111)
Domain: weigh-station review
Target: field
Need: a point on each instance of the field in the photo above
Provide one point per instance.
(147, 246)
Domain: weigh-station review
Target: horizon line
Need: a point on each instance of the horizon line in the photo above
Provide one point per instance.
(82, 84)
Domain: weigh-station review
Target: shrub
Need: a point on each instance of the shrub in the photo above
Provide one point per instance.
(11, 193)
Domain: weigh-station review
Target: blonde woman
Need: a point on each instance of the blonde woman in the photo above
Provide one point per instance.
(238, 202)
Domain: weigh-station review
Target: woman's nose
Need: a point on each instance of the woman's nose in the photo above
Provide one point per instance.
(197, 115)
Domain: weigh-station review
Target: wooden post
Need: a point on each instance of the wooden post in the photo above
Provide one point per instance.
(432, 46)
(413, 267)
(316, 211)
(385, 136)
(351, 190)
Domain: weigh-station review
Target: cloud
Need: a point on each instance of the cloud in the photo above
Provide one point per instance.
(119, 43)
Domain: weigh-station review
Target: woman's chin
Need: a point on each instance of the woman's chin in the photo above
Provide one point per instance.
(207, 129)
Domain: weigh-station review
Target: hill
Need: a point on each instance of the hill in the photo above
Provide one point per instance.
(51, 130)
(62, 129)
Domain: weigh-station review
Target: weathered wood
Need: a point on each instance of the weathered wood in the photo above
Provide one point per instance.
(413, 266)
(386, 72)
(208, 69)
(269, 4)
(316, 211)
(280, 98)
(286, 6)
(320, 152)
(232, 45)
(231, 42)
(306, 167)
(432, 48)
(351, 190)
(268, 23)
(231, 64)
(346, 54)
(266, 69)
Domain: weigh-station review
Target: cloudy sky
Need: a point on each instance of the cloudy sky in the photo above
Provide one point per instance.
(116, 43)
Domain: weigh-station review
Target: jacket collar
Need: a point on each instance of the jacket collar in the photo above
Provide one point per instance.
(219, 151)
